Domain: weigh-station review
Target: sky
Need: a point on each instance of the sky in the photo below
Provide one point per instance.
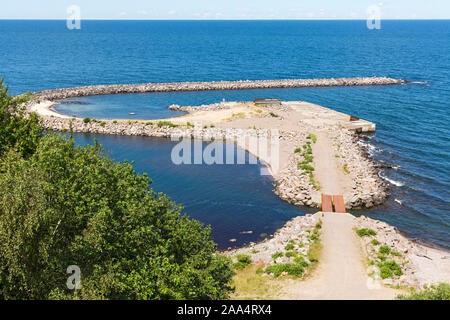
(225, 9)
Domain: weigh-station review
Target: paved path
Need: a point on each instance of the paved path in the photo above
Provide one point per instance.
(341, 272)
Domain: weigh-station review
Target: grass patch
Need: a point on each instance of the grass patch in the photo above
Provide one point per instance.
(249, 284)
(297, 150)
(439, 292)
(365, 232)
(375, 242)
(166, 124)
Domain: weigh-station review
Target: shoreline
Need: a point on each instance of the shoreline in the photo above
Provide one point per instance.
(222, 124)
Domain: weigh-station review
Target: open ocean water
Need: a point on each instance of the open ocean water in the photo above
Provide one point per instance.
(412, 138)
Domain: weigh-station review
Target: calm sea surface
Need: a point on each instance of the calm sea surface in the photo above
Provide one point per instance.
(412, 135)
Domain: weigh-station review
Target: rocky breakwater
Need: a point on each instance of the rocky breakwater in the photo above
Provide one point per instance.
(395, 260)
(63, 93)
(367, 189)
(292, 241)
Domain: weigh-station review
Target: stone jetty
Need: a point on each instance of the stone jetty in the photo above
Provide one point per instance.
(56, 94)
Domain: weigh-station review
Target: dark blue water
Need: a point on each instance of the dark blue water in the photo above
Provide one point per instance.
(232, 198)
(412, 131)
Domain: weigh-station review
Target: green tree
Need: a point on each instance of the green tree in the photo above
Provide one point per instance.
(17, 129)
(64, 205)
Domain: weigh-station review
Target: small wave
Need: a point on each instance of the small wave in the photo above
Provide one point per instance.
(398, 201)
(395, 183)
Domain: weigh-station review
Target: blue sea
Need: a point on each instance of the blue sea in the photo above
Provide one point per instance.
(412, 138)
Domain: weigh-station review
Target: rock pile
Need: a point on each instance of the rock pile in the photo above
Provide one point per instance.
(297, 230)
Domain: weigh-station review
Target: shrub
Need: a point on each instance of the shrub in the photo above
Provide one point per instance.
(277, 255)
(312, 137)
(375, 242)
(389, 268)
(365, 232)
(115, 121)
(305, 167)
(293, 269)
(273, 115)
(87, 120)
(289, 246)
(439, 292)
(291, 254)
(297, 150)
(384, 249)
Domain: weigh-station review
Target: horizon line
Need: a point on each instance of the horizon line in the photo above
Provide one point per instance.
(256, 19)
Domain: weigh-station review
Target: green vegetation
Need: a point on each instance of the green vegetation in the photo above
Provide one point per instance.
(345, 168)
(290, 246)
(166, 124)
(365, 232)
(389, 268)
(273, 114)
(384, 249)
(277, 255)
(16, 131)
(308, 159)
(63, 205)
(439, 292)
(375, 242)
(115, 121)
(87, 120)
(243, 260)
(294, 269)
(312, 137)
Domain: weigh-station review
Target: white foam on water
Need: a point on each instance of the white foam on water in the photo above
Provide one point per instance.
(395, 183)
(398, 201)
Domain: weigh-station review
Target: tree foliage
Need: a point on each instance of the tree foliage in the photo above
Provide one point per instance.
(17, 129)
(64, 205)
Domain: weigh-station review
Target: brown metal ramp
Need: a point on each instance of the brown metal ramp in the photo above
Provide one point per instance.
(339, 205)
(333, 203)
(327, 205)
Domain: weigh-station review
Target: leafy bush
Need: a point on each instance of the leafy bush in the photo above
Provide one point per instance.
(290, 246)
(273, 115)
(297, 150)
(375, 242)
(365, 232)
(384, 249)
(243, 260)
(87, 120)
(277, 255)
(439, 292)
(293, 269)
(389, 268)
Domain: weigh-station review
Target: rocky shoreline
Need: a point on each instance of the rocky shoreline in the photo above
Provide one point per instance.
(419, 265)
(63, 93)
